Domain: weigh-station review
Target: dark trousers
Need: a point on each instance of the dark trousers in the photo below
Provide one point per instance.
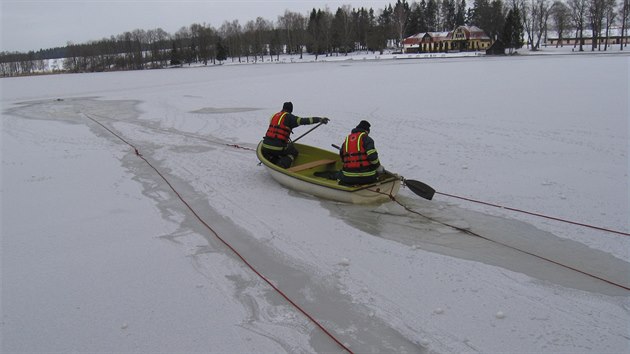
(283, 158)
(352, 181)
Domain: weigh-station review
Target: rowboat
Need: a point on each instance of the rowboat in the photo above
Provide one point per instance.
(301, 177)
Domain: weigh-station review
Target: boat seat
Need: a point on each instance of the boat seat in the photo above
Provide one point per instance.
(312, 164)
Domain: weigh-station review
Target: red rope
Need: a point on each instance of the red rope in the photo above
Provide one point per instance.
(393, 198)
(537, 214)
(240, 147)
(249, 265)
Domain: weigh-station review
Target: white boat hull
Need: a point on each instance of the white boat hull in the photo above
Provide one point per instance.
(376, 193)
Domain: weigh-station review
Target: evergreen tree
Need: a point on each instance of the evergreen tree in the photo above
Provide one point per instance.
(341, 30)
(375, 39)
(460, 15)
(386, 22)
(175, 57)
(416, 17)
(449, 14)
(316, 30)
(422, 13)
(221, 51)
(480, 15)
(495, 20)
(431, 16)
(512, 35)
(361, 25)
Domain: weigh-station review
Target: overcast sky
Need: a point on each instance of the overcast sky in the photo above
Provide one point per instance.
(40, 24)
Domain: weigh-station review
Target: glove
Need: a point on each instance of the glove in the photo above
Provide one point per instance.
(380, 170)
(324, 120)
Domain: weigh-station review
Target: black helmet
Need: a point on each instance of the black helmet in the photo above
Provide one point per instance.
(287, 107)
(364, 125)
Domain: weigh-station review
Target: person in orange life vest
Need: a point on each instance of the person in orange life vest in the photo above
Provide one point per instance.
(360, 158)
(276, 146)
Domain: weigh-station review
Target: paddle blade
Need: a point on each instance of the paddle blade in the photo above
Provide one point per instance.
(420, 188)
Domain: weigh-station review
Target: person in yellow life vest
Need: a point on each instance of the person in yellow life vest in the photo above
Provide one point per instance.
(276, 145)
(359, 157)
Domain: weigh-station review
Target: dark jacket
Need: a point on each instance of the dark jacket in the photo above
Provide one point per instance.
(291, 121)
(365, 174)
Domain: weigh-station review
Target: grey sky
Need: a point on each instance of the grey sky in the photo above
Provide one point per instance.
(40, 24)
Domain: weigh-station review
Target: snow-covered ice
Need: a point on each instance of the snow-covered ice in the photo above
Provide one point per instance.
(99, 254)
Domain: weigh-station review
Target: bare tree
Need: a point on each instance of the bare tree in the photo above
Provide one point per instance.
(195, 34)
(545, 8)
(401, 20)
(249, 45)
(182, 44)
(204, 38)
(9, 62)
(609, 18)
(232, 32)
(287, 23)
(284, 28)
(299, 24)
(624, 11)
(536, 16)
(138, 37)
(579, 10)
(528, 12)
(262, 29)
(162, 40)
(596, 10)
(561, 17)
(154, 49)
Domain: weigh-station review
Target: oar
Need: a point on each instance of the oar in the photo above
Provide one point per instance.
(421, 189)
(310, 130)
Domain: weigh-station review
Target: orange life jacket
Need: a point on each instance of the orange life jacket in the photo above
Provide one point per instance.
(277, 129)
(354, 155)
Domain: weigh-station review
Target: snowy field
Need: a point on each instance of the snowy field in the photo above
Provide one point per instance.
(100, 255)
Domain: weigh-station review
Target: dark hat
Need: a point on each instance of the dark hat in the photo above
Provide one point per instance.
(287, 107)
(364, 125)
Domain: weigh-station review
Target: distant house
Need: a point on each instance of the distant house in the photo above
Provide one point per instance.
(411, 44)
(463, 38)
(425, 42)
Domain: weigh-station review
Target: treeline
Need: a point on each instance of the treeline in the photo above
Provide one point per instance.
(322, 32)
